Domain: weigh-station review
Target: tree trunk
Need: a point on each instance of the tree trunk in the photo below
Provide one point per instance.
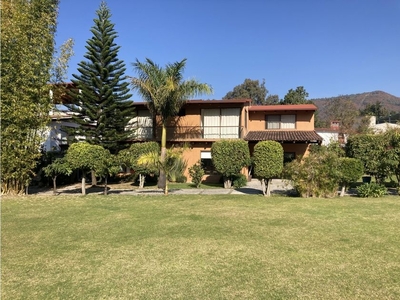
(162, 180)
(268, 191)
(105, 185)
(227, 183)
(343, 190)
(263, 185)
(94, 179)
(141, 180)
(54, 185)
(166, 188)
(83, 184)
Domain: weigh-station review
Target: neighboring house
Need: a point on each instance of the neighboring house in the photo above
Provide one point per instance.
(55, 137)
(382, 127)
(332, 134)
(202, 122)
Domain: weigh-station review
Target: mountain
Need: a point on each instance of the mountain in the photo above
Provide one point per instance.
(389, 102)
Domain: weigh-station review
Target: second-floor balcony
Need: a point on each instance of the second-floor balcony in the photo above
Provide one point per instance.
(191, 133)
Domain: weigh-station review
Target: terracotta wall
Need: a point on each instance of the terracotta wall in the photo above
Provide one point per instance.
(304, 120)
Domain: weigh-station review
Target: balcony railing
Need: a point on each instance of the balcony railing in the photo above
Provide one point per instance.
(187, 133)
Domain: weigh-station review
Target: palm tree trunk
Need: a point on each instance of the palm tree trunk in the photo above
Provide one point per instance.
(162, 180)
(54, 185)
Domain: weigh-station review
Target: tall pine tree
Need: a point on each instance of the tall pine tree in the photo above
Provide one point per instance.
(101, 107)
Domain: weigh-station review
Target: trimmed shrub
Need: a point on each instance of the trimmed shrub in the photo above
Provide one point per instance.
(268, 163)
(239, 181)
(372, 189)
(351, 170)
(229, 157)
(196, 172)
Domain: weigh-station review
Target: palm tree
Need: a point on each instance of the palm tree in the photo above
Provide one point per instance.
(168, 165)
(165, 92)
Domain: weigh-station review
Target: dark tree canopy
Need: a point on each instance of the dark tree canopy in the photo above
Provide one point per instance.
(297, 96)
(254, 90)
(101, 105)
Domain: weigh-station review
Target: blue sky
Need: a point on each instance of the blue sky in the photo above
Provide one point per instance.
(331, 48)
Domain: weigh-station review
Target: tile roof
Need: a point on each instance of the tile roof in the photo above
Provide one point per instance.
(283, 136)
(289, 107)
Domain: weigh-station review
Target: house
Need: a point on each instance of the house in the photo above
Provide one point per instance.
(382, 127)
(202, 122)
(332, 134)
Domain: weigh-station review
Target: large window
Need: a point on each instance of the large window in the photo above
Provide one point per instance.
(280, 122)
(220, 123)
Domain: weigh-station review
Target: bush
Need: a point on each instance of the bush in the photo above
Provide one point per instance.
(181, 179)
(196, 172)
(239, 181)
(229, 157)
(371, 190)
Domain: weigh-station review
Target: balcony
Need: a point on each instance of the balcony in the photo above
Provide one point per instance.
(191, 133)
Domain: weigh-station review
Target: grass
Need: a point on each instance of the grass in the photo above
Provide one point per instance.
(200, 247)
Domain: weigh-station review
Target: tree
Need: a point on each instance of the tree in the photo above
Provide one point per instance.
(168, 165)
(27, 46)
(344, 110)
(254, 90)
(196, 172)
(297, 96)
(372, 151)
(316, 175)
(229, 157)
(351, 170)
(165, 92)
(377, 109)
(129, 158)
(100, 98)
(89, 158)
(57, 167)
(268, 163)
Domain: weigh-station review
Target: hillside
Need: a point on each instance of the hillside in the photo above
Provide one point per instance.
(389, 102)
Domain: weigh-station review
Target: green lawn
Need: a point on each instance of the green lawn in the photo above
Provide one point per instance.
(200, 247)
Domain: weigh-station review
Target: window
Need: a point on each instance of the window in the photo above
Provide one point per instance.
(206, 163)
(221, 123)
(280, 122)
(288, 157)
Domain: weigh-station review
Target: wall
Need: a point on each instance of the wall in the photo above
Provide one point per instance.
(304, 120)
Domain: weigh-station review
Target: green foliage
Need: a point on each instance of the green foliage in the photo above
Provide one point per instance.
(178, 174)
(297, 96)
(316, 175)
(167, 165)
(181, 179)
(268, 159)
(129, 157)
(372, 151)
(351, 169)
(91, 158)
(372, 189)
(229, 157)
(393, 152)
(57, 167)
(268, 163)
(254, 90)
(239, 181)
(196, 172)
(100, 99)
(27, 46)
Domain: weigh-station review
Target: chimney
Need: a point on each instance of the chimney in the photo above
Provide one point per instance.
(372, 121)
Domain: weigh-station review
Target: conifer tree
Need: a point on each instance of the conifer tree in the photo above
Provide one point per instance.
(100, 98)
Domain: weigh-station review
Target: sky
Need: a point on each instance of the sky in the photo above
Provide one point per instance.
(330, 47)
